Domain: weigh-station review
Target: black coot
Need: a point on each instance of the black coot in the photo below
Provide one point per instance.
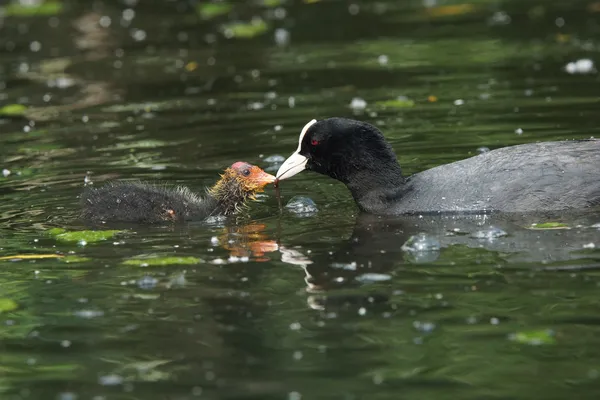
(546, 176)
(123, 201)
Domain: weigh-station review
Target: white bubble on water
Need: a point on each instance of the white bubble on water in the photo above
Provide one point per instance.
(110, 380)
(302, 206)
(358, 104)
(581, 66)
(282, 36)
(383, 60)
(421, 242)
(490, 233)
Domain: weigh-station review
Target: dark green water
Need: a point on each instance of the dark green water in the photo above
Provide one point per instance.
(325, 306)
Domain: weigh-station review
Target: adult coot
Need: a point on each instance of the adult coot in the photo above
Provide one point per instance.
(148, 203)
(545, 176)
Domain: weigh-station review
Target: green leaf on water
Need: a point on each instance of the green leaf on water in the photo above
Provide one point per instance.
(7, 305)
(246, 30)
(212, 10)
(46, 8)
(13, 110)
(400, 102)
(534, 338)
(162, 261)
(87, 236)
(550, 225)
(56, 231)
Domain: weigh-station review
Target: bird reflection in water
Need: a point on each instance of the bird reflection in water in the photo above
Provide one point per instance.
(247, 241)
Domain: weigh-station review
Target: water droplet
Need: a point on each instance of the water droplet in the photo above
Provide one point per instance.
(295, 326)
(282, 36)
(491, 233)
(358, 104)
(421, 242)
(383, 60)
(147, 282)
(35, 46)
(302, 206)
(425, 327)
(373, 277)
(110, 380)
(88, 314)
(67, 396)
(275, 159)
(294, 396)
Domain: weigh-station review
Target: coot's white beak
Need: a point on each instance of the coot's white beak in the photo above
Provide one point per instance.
(295, 163)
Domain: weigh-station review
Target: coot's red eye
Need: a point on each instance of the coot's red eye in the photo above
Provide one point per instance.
(314, 142)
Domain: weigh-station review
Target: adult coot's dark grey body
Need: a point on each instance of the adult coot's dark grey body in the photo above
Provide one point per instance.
(147, 203)
(536, 177)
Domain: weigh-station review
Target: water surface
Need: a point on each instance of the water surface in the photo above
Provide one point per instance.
(283, 306)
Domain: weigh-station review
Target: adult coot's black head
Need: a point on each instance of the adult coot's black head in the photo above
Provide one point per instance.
(353, 152)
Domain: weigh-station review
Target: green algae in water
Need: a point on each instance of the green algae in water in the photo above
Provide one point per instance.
(400, 102)
(13, 110)
(272, 3)
(7, 305)
(79, 236)
(162, 261)
(46, 8)
(245, 30)
(534, 338)
(550, 225)
(212, 10)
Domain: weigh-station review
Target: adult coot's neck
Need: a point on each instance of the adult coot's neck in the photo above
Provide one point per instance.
(374, 189)
(360, 157)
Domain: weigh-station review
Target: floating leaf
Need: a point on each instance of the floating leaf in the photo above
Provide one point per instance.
(246, 30)
(550, 225)
(400, 102)
(162, 261)
(212, 10)
(13, 110)
(78, 236)
(534, 338)
(31, 256)
(46, 8)
(7, 305)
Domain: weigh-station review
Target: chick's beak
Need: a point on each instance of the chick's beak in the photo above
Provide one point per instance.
(260, 177)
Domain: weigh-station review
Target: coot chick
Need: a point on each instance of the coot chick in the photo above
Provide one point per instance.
(546, 176)
(148, 203)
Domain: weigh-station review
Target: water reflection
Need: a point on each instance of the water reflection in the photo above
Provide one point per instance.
(374, 252)
(324, 306)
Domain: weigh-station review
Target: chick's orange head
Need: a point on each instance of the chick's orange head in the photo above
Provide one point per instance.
(252, 176)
